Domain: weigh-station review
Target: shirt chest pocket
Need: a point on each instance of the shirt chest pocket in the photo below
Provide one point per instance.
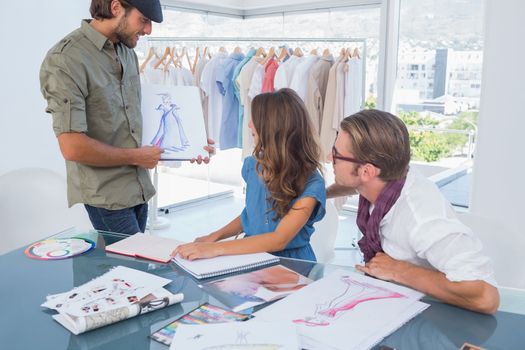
(103, 111)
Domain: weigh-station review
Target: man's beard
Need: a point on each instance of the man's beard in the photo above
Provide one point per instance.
(123, 36)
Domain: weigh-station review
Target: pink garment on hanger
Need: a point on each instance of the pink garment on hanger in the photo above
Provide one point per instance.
(269, 75)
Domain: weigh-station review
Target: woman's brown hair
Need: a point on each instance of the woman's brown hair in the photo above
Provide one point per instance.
(287, 151)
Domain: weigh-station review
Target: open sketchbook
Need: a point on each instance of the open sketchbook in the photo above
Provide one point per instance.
(173, 120)
(119, 294)
(145, 246)
(222, 265)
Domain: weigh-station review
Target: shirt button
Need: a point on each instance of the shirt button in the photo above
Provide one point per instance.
(132, 131)
(65, 100)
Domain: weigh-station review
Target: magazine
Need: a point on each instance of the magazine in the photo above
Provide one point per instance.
(204, 314)
(119, 294)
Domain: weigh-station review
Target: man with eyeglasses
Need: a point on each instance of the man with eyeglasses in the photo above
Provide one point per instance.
(411, 234)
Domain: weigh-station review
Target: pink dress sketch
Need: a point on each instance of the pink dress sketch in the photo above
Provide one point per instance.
(354, 293)
(170, 134)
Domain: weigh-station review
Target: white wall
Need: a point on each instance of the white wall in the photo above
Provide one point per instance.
(499, 179)
(29, 29)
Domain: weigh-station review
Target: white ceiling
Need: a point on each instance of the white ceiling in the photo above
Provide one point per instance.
(245, 4)
(258, 7)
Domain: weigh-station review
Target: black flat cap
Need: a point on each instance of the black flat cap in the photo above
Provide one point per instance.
(149, 8)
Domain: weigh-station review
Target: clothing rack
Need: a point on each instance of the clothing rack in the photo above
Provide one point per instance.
(184, 40)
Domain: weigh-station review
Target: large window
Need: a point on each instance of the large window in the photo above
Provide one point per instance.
(344, 23)
(439, 79)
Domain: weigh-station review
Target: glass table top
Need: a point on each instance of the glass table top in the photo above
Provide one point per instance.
(25, 282)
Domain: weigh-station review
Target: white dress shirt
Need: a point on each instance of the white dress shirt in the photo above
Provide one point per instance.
(423, 229)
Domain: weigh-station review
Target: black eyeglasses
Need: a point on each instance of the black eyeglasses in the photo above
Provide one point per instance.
(335, 155)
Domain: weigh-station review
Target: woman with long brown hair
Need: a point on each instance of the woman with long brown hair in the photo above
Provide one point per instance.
(285, 192)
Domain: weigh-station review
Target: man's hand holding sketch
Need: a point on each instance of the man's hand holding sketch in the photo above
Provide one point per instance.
(211, 151)
(147, 156)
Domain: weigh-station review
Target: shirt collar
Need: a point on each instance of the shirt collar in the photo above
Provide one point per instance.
(95, 37)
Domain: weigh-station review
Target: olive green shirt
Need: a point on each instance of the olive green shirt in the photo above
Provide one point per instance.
(92, 86)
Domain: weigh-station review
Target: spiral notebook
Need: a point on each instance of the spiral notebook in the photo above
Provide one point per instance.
(222, 265)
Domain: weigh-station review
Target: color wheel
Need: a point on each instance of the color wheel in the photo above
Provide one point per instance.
(58, 248)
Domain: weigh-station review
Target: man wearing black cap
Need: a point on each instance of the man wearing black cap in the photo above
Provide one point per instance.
(90, 80)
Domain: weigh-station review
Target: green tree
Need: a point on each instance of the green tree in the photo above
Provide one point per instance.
(431, 146)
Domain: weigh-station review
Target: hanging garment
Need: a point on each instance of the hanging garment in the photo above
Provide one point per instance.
(269, 75)
(179, 76)
(353, 87)
(284, 74)
(230, 104)
(237, 90)
(152, 75)
(316, 91)
(328, 134)
(301, 74)
(339, 113)
(257, 81)
(199, 67)
(244, 80)
(210, 88)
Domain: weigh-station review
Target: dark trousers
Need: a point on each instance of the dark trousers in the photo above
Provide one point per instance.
(128, 221)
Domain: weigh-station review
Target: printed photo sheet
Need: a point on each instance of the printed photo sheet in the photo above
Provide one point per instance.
(257, 287)
(345, 310)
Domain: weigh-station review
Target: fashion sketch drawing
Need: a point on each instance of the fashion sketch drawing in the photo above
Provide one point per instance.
(353, 293)
(170, 134)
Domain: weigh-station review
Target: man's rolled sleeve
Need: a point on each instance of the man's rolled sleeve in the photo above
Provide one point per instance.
(65, 101)
(452, 248)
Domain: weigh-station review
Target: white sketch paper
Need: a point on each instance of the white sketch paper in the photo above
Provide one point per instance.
(249, 335)
(173, 120)
(345, 311)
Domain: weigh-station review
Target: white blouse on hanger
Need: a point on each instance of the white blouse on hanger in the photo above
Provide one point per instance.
(210, 88)
(353, 87)
(284, 74)
(153, 75)
(179, 76)
(301, 75)
(257, 81)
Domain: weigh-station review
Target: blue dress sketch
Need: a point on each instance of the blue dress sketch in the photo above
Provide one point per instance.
(170, 134)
